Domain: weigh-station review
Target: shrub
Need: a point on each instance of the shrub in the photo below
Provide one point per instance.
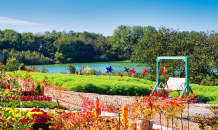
(71, 68)
(38, 89)
(12, 64)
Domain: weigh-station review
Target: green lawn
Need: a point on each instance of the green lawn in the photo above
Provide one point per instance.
(116, 85)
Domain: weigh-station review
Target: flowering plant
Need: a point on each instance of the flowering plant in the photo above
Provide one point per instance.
(28, 93)
(160, 93)
(144, 108)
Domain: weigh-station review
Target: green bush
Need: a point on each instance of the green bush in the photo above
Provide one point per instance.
(38, 89)
(71, 68)
(12, 64)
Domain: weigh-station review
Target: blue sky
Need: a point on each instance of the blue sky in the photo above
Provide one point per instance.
(103, 16)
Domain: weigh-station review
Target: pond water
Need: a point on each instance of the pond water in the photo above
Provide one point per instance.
(117, 66)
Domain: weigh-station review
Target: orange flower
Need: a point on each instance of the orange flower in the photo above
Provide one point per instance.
(50, 127)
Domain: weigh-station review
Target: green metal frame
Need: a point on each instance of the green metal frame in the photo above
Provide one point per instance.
(186, 60)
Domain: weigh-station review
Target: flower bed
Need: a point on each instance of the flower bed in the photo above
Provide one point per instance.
(28, 98)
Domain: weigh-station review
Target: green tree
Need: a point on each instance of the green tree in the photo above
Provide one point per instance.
(59, 58)
(12, 64)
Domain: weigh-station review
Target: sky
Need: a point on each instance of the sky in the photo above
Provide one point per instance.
(104, 16)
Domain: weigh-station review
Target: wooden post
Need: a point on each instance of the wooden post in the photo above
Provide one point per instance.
(124, 114)
(97, 106)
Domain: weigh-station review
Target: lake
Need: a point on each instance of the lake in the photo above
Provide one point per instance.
(116, 65)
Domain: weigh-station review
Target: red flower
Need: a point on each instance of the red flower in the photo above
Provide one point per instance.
(149, 104)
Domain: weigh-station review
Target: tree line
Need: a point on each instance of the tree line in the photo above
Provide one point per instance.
(137, 43)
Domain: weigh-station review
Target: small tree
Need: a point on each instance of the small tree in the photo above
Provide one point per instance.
(71, 68)
(38, 89)
(12, 64)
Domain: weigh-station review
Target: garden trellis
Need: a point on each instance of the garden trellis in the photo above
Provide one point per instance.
(186, 60)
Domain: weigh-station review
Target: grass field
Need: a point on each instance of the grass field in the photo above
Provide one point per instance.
(115, 86)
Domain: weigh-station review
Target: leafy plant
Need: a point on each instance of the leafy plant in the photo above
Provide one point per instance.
(38, 89)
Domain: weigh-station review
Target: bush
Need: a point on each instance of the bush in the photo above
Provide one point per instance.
(22, 66)
(71, 68)
(38, 89)
(12, 64)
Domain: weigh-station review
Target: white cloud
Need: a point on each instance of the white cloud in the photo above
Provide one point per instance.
(16, 22)
(40, 29)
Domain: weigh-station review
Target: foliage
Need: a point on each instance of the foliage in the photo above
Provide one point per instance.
(71, 68)
(35, 103)
(38, 89)
(137, 43)
(12, 64)
(199, 47)
(28, 57)
(23, 67)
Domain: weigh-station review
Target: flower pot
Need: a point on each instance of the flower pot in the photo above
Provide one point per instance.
(144, 124)
(46, 98)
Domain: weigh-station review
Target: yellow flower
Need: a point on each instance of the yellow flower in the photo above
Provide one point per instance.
(60, 109)
(50, 127)
(7, 90)
(37, 106)
(47, 108)
(33, 107)
(40, 129)
(55, 109)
